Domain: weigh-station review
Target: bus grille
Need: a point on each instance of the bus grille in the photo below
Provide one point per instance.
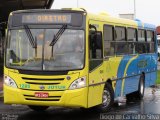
(47, 79)
(43, 81)
(50, 98)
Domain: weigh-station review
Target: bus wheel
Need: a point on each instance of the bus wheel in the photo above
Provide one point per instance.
(107, 98)
(140, 92)
(38, 108)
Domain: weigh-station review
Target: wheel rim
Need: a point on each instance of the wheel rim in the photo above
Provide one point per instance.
(141, 88)
(106, 98)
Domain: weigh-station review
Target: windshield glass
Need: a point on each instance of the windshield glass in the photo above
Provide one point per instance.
(66, 54)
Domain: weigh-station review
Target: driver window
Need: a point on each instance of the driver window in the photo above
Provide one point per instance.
(95, 45)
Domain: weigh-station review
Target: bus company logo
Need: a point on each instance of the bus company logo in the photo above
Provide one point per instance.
(142, 63)
(42, 87)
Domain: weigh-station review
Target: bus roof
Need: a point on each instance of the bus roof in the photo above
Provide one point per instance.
(129, 23)
(112, 20)
(149, 26)
(101, 17)
(142, 25)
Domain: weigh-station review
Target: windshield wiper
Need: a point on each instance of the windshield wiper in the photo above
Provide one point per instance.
(58, 35)
(30, 36)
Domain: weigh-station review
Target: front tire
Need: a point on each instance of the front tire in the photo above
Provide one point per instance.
(107, 99)
(38, 108)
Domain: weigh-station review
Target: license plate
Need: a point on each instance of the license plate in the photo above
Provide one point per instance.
(41, 95)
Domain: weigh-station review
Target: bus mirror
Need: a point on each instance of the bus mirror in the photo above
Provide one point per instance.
(92, 27)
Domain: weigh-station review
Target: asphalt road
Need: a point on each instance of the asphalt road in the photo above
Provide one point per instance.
(148, 106)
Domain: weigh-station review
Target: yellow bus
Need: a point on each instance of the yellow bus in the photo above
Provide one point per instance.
(72, 58)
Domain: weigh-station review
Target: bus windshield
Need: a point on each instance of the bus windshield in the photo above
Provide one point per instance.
(66, 54)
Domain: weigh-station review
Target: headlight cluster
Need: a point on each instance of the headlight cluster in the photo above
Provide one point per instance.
(9, 82)
(79, 83)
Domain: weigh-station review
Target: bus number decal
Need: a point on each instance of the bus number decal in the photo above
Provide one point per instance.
(25, 86)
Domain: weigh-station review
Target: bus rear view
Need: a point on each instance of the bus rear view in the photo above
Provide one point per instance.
(45, 59)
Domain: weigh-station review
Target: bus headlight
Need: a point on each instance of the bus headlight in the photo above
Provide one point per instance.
(9, 82)
(79, 83)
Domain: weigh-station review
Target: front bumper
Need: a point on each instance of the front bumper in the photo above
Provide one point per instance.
(67, 98)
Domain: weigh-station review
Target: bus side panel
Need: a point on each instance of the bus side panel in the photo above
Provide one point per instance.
(95, 91)
(153, 78)
(148, 79)
(118, 88)
(120, 74)
(111, 66)
(131, 83)
(144, 67)
(147, 69)
(110, 69)
(153, 68)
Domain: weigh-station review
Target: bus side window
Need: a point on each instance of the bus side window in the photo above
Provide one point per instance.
(95, 45)
(131, 39)
(109, 44)
(121, 46)
(141, 45)
(150, 41)
(141, 48)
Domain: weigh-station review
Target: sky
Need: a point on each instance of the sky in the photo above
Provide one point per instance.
(146, 10)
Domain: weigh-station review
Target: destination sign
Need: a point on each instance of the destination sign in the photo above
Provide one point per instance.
(46, 18)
